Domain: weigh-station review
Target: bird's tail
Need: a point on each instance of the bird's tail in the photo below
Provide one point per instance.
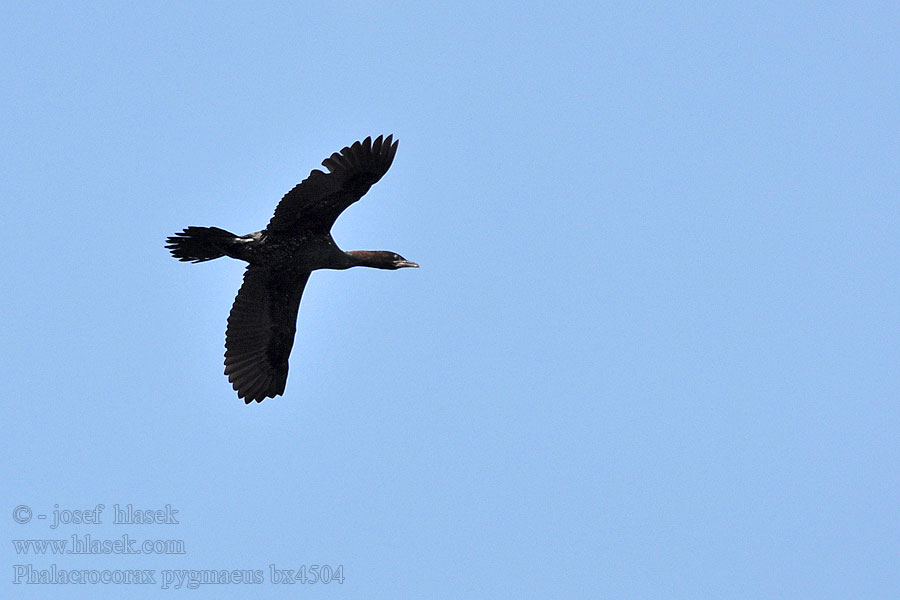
(198, 244)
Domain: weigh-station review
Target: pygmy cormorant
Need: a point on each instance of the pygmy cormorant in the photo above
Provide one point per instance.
(296, 241)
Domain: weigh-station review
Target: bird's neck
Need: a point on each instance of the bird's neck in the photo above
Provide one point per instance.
(377, 259)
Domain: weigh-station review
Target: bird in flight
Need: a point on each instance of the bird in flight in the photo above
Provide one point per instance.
(296, 242)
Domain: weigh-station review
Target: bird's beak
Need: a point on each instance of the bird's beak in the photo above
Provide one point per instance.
(407, 263)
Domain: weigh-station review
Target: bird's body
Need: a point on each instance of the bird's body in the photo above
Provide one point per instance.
(297, 241)
(309, 251)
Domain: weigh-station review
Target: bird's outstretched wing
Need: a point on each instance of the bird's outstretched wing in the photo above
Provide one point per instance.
(315, 203)
(261, 330)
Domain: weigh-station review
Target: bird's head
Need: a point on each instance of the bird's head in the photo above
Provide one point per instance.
(398, 262)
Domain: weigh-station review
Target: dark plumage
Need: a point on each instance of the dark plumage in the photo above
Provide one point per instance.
(296, 242)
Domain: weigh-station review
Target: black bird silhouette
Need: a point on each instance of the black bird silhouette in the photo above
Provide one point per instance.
(296, 242)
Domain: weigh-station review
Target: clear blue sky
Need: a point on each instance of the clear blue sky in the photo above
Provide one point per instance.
(652, 351)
